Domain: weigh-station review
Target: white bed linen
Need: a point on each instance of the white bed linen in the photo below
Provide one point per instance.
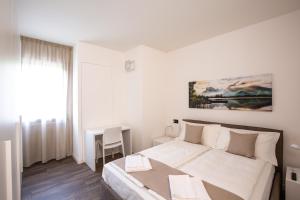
(129, 188)
(175, 153)
(233, 173)
(264, 184)
(124, 185)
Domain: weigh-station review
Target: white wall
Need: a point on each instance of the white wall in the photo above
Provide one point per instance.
(132, 98)
(91, 55)
(138, 96)
(273, 47)
(155, 78)
(9, 58)
(143, 95)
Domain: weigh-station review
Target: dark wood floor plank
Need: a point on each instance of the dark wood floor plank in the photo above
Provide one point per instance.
(64, 180)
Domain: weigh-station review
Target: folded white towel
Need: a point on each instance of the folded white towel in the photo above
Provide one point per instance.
(181, 187)
(184, 187)
(136, 163)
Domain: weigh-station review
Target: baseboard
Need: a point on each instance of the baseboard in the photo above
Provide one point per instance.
(77, 160)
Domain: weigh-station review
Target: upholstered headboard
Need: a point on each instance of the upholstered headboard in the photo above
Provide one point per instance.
(279, 146)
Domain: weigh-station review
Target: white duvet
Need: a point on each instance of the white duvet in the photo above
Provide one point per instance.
(175, 153)
(233, 173)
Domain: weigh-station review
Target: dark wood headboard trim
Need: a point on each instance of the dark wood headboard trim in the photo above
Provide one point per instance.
(279, 145)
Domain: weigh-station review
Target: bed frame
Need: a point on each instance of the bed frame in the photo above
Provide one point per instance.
(277, 187)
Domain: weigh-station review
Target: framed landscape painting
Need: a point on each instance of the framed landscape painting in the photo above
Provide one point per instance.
(242, 93)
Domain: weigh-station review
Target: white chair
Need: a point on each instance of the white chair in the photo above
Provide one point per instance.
(112, 138)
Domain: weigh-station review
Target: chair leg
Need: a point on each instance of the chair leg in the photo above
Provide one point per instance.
(97, 150)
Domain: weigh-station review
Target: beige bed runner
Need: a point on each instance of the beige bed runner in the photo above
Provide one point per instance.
(216, 193)
(157, 180)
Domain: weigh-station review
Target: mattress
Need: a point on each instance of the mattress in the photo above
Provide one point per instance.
(231, 176)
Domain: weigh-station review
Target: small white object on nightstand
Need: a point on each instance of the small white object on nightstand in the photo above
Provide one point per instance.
(292, 188)
(161, 140)
(169, 135)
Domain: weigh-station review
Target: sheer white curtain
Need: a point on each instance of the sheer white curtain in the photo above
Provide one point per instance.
(46, 100)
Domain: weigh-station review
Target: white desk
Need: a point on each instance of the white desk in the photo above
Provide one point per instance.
(90, 143)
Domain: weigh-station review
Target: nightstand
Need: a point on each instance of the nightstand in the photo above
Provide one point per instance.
(161, 140)
(292, 188)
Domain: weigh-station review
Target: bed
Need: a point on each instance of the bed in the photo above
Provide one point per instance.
(259, 180)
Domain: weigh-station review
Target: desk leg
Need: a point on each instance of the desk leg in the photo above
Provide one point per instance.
(130, 135)
(127, 142)
(90, 151)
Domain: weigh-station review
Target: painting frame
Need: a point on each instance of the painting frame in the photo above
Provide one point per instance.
(245, 93)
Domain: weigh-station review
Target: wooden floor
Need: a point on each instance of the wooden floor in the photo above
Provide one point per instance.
(64, 180)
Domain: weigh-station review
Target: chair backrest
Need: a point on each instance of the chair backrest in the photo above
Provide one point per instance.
(112, 135)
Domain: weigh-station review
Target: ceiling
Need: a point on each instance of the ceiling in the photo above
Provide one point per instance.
(124, 24)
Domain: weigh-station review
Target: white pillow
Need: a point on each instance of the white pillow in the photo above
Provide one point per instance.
(182, 129)
(265, 146)
(224, 139)
(210, 135)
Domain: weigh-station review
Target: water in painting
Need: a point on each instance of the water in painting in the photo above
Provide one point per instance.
(242, 93)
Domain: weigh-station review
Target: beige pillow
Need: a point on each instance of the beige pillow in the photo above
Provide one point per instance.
(265, 145)
(193, 134)
(182, 128)
(242, 144)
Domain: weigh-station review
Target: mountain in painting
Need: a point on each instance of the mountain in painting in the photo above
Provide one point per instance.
(248, 92)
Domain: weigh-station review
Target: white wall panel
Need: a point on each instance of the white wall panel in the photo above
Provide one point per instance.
(5, 170)
(97, 95)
